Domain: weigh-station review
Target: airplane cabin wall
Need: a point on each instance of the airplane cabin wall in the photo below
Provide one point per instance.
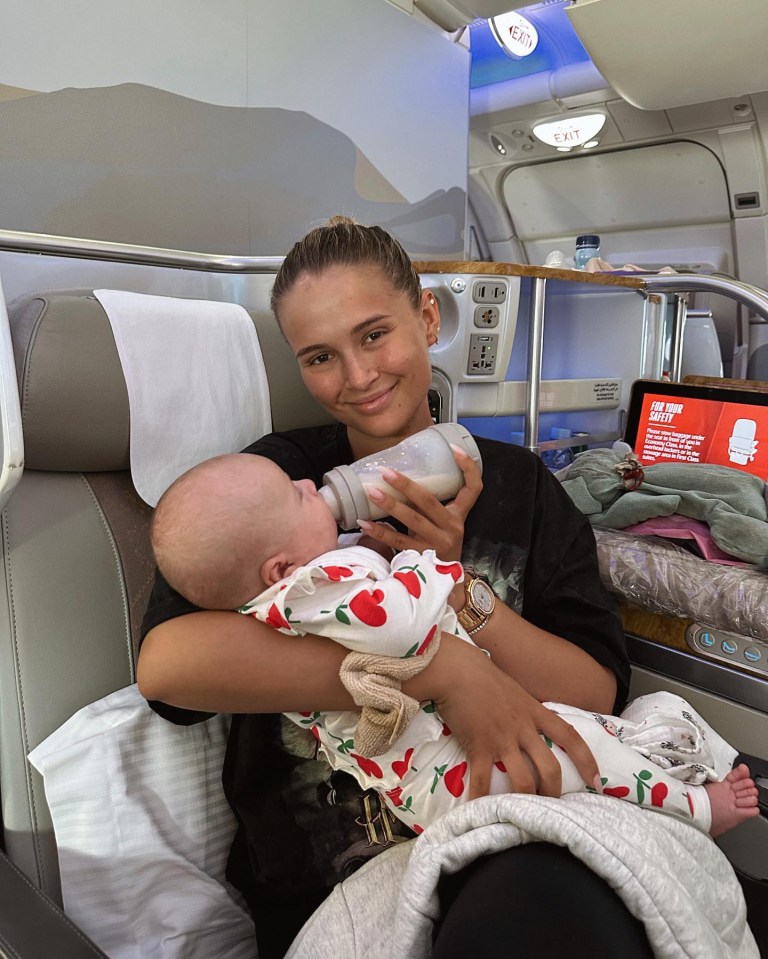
(231, 127)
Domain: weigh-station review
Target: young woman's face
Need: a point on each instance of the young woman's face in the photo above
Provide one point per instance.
(363, 352)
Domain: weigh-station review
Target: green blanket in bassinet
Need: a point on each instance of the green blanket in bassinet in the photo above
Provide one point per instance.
(733, 503)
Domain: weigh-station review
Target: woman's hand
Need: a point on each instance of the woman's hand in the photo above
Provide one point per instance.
(430, 523)
(498, 723)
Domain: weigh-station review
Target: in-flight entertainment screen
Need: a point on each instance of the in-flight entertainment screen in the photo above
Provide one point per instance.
(686, 423)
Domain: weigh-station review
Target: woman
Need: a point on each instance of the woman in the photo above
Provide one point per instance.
(351, 307)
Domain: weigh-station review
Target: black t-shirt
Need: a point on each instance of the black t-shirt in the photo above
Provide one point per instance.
(301, 828)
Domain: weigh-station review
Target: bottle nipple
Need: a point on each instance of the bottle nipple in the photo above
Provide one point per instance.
(330, 499)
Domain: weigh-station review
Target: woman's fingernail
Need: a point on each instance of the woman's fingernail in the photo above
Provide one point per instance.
(374, 493)
(364, 525)
(389, 474)
(458, 449)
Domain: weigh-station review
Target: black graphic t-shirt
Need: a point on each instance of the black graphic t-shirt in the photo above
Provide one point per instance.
(301, 828)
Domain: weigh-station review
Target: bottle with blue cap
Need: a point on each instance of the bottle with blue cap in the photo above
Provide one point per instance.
(587, 246)
(558, 459)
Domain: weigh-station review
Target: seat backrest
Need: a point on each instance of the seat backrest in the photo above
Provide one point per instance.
(77, 566)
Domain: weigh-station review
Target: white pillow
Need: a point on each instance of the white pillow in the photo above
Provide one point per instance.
(143, 832)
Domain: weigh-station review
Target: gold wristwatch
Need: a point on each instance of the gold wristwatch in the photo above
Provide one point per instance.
(480, 603)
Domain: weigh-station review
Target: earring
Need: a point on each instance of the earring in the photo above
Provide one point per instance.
(431, 300)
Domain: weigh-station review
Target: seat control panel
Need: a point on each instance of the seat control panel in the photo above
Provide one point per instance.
(741, 652)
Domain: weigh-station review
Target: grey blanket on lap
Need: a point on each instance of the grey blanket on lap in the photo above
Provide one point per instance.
(671, 877)
(731, 502)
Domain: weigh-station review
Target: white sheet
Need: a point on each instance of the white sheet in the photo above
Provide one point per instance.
(143, 832)
(196, 382)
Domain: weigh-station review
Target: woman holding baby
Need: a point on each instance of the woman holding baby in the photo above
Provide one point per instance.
(351, 307)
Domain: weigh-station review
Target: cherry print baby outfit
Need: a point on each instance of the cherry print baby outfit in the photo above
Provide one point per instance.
(656, 755)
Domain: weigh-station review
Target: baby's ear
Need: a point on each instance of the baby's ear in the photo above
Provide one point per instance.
(275, 568)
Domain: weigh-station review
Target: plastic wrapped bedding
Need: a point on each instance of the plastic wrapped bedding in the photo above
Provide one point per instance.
(665, 578)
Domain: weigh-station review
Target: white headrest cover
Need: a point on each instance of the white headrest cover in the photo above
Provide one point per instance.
(196, 382)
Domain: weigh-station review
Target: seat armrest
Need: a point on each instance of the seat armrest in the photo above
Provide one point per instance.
(31, 925)
(759, 769)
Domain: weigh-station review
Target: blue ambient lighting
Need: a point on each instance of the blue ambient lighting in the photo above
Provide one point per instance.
(558, 46)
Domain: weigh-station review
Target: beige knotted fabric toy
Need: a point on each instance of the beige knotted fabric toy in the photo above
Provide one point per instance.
(374, 682)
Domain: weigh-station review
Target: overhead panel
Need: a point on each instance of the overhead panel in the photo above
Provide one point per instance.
(657, 54)
(642, 188)
(453, 14)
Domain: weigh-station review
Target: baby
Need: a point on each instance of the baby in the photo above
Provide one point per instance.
(237, 533)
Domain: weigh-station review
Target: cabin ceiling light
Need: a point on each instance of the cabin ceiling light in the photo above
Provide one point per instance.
(570, 131)
(517, 36)
(497, 145)
(590, 144)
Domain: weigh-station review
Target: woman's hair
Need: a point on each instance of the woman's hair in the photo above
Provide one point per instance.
(342, 242)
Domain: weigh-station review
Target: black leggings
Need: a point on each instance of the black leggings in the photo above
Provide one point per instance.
(534, 902)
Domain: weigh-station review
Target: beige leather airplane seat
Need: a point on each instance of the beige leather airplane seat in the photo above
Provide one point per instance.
(77, 568)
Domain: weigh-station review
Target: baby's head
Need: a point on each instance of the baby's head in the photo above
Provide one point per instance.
(234, 525)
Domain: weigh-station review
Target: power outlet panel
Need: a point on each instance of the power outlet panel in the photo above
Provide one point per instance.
(489, 291)
(483, 350)
(486, 317)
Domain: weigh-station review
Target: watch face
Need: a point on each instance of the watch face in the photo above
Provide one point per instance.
(482, 597)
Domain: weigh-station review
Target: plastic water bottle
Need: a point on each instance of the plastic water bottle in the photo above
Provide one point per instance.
(587, 246)
(425, 457)
(556, 460)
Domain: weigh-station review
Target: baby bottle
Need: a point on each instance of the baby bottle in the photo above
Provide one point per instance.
(425, 457)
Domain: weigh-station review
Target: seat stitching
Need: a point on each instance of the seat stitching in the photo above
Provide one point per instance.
(121, 573)
(22, 707)
(55, 909)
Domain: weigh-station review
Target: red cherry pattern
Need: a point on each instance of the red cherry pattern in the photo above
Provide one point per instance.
(425, 645)
(395, 796)
(618, 791)
(367, 607)
(410, 580)
(454, 779)
(336, 573)
(659, 793)
(275, 618)
(454, 570)
(369, 767)
(400, 766)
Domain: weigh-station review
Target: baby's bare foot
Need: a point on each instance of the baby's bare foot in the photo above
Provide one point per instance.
(733, 800)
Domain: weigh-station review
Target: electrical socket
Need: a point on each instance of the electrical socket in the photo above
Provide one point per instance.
(489, 291)
(486, 316)
(483, 348)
